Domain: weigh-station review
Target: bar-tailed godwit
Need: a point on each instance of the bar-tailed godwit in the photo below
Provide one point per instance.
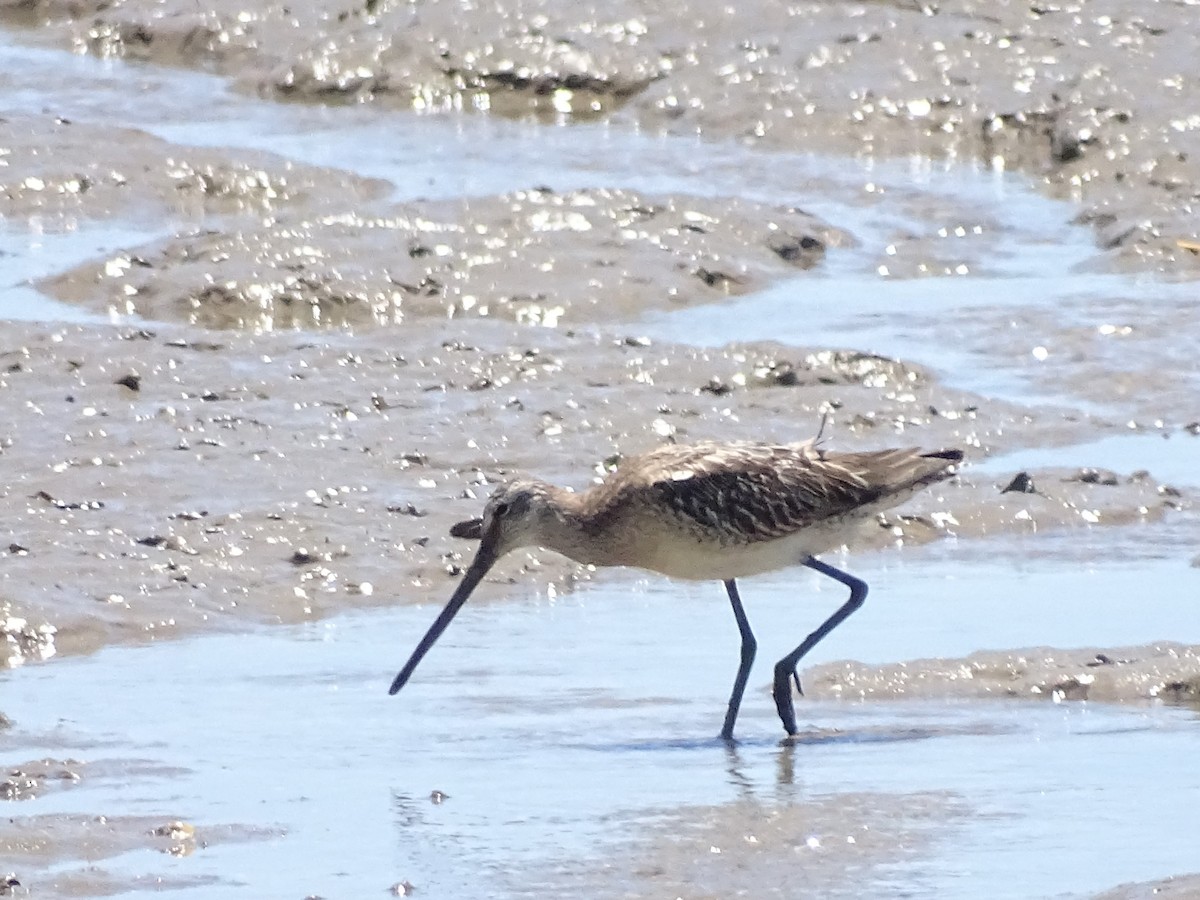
(705, 511)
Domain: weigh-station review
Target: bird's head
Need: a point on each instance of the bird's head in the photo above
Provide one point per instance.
(518, 514)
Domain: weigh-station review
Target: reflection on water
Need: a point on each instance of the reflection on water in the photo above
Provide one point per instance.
(484, 778)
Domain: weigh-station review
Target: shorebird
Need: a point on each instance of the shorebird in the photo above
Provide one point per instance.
(719, 511)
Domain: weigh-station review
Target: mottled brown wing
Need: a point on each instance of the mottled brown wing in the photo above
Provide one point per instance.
(756, 492)
(759, 492)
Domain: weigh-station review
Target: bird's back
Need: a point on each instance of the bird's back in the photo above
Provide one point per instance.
(727, 510)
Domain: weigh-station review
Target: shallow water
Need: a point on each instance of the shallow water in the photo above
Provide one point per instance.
(553, 746)
(1023, 238)
(963, 328)
(1169, 456)
(561, 729)
(1013, 255)
(435, 156)
(29, 255)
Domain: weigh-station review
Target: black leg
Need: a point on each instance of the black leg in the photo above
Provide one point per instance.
(785, 669)
(749, 648)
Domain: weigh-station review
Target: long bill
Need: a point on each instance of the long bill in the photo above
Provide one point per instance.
(484, 560)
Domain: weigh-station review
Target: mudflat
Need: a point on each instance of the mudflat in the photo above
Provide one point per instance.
(264, 390)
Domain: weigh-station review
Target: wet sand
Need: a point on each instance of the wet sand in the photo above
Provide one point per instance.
(1167, 672)
(198, 482)
(1088, 100)
(266, 406)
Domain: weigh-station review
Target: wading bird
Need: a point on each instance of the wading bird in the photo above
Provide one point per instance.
(705, 511)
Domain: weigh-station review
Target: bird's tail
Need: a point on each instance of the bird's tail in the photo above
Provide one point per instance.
(916, 469)
(896, 470)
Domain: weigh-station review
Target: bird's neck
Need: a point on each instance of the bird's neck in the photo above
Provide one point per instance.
(573, 529)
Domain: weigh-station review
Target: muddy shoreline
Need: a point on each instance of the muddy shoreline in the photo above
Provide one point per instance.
(1085, 99)
(191, 484)
(304, 381)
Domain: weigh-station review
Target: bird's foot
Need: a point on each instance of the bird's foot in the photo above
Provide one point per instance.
(783, 699)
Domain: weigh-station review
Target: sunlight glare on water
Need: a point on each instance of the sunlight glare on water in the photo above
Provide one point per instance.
(555, 728)
(562, 731)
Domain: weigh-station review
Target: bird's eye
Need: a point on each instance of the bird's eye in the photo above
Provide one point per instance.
(501, 510)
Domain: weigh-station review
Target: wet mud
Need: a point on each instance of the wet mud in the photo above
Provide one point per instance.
(303, 381)
(1183, 886)
(197, 482)
(59, 172)
(536, 257)
(31, 779)
(1088, 99)
(34, 778)
(1166, 672)
(62, 841)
